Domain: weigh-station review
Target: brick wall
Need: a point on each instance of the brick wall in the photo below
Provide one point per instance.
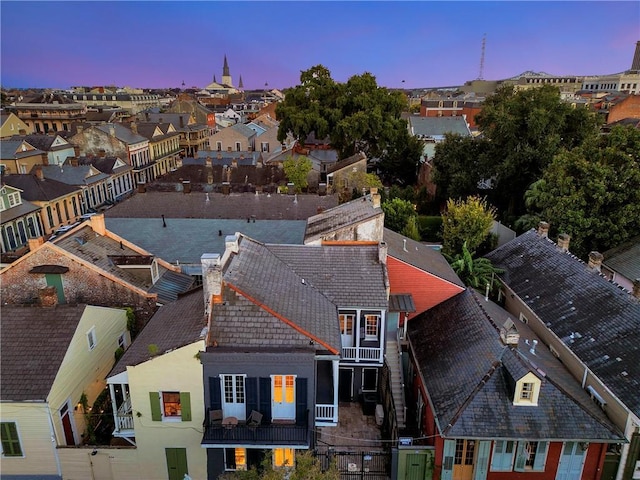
(627, 108)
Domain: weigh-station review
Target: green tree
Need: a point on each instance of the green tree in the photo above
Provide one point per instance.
(466, 222)
(297, 169)
(410, 230)
(356, 116)
(474, 272)
(359, 181)
(397, 213)
(591, 192)
(307, 467)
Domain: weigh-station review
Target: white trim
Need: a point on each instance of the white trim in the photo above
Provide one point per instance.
(92, 340)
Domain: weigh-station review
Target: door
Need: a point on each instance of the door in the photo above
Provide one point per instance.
(176, 463)
(571, 461)
(346, 328)
(345, 384)
(283, 397)
(233, 396)
(55, 280)
(463, 459)
(67, 425)
(416, 466)
(101, 466)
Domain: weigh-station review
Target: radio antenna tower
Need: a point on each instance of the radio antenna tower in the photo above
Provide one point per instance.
(484, 41)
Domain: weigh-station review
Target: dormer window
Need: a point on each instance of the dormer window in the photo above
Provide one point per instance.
(527, 391)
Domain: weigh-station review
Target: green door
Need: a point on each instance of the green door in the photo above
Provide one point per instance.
(176, 463)
(55, 280)
(416, 466)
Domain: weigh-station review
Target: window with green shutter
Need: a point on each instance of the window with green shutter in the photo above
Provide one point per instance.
(170, 406)
(10, 440)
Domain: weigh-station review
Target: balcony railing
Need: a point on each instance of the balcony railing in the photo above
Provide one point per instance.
(264, 434)
(362, 353)
(326, 413)
(124, 417)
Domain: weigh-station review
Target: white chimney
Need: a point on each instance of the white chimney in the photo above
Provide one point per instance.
(382, 252)
(595, 261)
(532, 350)
(211, 278)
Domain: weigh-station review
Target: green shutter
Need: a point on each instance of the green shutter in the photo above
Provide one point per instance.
(185, 406)
(10, 440)
(156, 413)
(541, 457)
(521, 458)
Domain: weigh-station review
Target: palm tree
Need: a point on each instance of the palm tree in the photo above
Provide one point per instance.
(474, 272)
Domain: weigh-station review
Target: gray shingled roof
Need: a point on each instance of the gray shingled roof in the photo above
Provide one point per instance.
(465, 367)
(420, 256)
(438, 126)
(174, 325)
(340, 217)
(9, 147)
(34, 341)
(122, 133)
(242, 129)
(625, 259)
(184, 240)
(80, 175)
(569, 298)
(36, 190)
(18, 211)
(262, 276)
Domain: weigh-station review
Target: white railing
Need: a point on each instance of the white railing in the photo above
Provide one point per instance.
(362, 353)
(124, 417)
(326, 413)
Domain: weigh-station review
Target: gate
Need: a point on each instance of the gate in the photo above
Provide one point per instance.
(358, 465)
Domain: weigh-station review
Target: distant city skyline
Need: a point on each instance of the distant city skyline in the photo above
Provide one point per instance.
(403, 44)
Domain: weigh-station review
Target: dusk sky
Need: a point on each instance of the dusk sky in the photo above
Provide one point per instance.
(161, 44)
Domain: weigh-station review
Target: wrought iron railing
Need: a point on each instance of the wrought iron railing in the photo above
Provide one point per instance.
(263, 434)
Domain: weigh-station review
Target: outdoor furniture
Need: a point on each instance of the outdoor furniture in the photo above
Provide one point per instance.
(255, 418)
(215, 418)
(229, 424)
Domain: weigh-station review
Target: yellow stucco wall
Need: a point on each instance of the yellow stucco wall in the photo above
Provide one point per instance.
(178, 371)
(107, 463)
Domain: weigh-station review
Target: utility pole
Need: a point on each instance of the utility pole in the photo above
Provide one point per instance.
(484, 41)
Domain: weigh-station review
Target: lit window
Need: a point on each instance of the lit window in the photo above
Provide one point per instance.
(235, 459)
(346, 324)
(171, 405)
(10, 440)
(283, 457)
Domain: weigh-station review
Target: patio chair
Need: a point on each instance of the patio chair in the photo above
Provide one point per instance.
(255, 419)
(215, 418)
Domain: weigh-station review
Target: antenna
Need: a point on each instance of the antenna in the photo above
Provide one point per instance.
(484, 41)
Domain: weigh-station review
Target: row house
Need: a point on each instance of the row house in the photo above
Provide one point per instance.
(495, 405)
(49, 112)
(20, 220)
(115, 139)
(132, 102)
(55, 146)
(87, 178)
(236, 138)
(60, 204)
(164, 145)
(120, 183)
(587, 321)
(452, 107)
(194, 136)
(19, 156)
(11, 125)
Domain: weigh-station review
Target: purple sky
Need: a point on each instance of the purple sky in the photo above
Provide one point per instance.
(427, 44)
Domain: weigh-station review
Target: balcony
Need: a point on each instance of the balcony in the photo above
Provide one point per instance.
(363, 354)
(265, 434)
(124, 419)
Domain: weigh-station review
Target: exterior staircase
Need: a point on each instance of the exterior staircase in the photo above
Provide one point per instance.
(392, 357)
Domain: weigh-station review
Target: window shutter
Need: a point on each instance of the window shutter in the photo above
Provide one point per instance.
(230, 460)
(251, 394)
(482, 464)
(215, 397)
(156, 413)
(521, 458)
(447, 459)
(541, 457)
(301, 399)
(498, 452)
(185, 406)
(265, 398)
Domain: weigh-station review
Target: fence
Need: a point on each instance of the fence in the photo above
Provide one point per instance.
(361, 465)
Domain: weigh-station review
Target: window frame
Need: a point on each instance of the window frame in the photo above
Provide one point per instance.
(170, 418)
(527, 391)
(92, 340)
(500, 458)
(234, 467)
(12, 441)
(367, 317)
(534, 461)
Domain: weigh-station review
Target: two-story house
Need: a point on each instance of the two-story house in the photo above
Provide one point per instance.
(120, 182)
(293, 329)
(54, 359)
(19, 156)
(164, 145)
(590, 323)
(11, 125)
(49, 112)
(194, 136)
(236, 138)
(20, 219)
(496, 405)
(56, 147)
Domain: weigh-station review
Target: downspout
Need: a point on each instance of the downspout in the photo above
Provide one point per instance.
(584, 377)
(53, 441)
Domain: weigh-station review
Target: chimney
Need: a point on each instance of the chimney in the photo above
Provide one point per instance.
(543, 229)
(234, 163)
(134, 127)
(146, 116)
(563, 242)
(595, 261)
(322, 189)
(76, 150)
(211, 279)
(142, 187)
(636, 288)
(34, 243)
(79, 128)
(112, 130)
(375, 198)
(532, 350)
(97, 224)
(186, 186)
(226, 188)
(228, 149)
(48, 296)
(181, 121)
(45, 158)
(102, 153)
(37, 170)
(74, 161)
(382, 252)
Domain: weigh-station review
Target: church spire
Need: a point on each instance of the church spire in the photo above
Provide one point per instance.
(225, 68)
(240, 85)
(214, 78)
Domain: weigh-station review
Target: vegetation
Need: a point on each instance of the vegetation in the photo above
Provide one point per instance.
(466, 222)
(297, 170)
(474, 272)
(359, 181)
(307, 467)
(356, 116)
(398, 213)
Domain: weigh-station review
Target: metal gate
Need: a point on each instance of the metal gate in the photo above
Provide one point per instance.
(358, 465)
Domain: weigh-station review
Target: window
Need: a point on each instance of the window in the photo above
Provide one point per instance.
(502, 458)
(371, 326)
(235, 459)
(233, 388)
(283, 388)
(531, 456)
(283, 457)
(219, 146)
(526, 393)
(523, 319)
(171, 405)
(346, 324)
(91, 338)
(238, 146)
(265, 146)
(10, 440)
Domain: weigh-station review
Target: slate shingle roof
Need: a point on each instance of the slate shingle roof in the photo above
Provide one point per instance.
(340, 217)
(625, 259)
(465, 368)
(18, 211)
(122, 133)
(104, 164)
(569, 298)
(36, 190)
(420, 256)
(8, 150)
(80, 175)
(34, 341)
(174, 325)
(438, 126)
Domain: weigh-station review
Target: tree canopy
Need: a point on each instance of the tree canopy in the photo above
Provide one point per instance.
(356, 116)
(592, 192)
(397, 213)
(466, 222)
(297, 169)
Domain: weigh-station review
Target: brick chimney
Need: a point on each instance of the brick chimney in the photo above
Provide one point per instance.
(595, 261)
(134, 127)
(636, 288)
(543, 229)
(375, 197)
(102, 153)
(97, 224)
(45, 158)
(37, 170)
(211, 279)
(48, 296)
(73, 161)
(76, 151)
(563, 242)
(34, 243)
(382, 253)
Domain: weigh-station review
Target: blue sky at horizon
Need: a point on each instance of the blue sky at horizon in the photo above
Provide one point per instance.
(425, 43)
